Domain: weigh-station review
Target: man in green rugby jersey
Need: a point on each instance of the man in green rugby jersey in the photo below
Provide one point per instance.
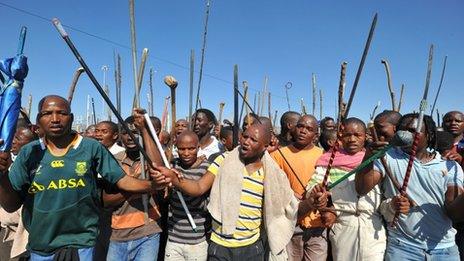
(55, 179)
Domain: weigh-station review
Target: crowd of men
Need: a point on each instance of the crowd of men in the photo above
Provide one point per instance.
(89, 196)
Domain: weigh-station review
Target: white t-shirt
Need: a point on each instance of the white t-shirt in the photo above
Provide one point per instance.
(212, 148)
(115, 149)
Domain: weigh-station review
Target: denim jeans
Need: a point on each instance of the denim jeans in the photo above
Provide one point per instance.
(142, 249)
(397, 250)
(85, 254)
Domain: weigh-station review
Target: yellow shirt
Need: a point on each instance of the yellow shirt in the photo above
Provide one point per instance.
(250, 213)
(303, 162)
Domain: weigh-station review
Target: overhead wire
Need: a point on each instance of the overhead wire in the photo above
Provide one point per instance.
(101, 38)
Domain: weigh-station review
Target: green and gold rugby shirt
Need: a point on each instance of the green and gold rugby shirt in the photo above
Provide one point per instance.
(61, 200)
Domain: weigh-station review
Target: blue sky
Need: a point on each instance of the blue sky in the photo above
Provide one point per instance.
(284, 40)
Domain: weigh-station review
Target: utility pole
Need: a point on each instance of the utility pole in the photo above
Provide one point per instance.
(105, 108)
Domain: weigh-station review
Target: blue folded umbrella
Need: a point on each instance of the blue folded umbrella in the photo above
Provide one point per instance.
(15, 69)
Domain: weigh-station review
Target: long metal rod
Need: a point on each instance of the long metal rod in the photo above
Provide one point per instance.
(97, 85)
(361, 65)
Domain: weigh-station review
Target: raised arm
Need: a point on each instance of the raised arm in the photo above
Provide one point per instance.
(148, 142)
(367, 178)
(9, 198)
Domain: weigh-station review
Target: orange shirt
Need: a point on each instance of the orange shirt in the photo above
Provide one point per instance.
(303, 163)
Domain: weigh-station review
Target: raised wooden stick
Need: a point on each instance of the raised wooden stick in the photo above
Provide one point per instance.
(202, 60)
(172, 83)
(221, 110)
(314, 93)
(439, 86)
(374, 110)
(389, 83)
(164, 115)
(136, 102)
(264, 96)
(29, 106)
(340, 117)
(245, 94)
(320, 104)
(303, 107)
(400, 103)
(73, 85)
(269, 106)
(192, 67)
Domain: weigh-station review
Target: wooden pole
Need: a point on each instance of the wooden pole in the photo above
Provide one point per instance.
(221, 110)
(389, 83)
(133, 47)
(254, 102)
(269, 106)
(400, 103)
(164, 115)
(119, 83)
(245, 94)
(73, 85)
(205, 32)
(263, 94)
(150, 95)
(236, 122)
(29, 106)
(314, 93)
(320, 104)
(341, 91)
(172, 83)
(439, 86)
(192, 69)
(136, 102)
(303, 107)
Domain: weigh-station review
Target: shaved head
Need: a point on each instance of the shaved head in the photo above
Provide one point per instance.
(264, 132)
(189, 136)
(55, 97)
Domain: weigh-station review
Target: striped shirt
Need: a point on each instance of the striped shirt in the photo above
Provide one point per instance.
(179, 228)
(250, 212)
